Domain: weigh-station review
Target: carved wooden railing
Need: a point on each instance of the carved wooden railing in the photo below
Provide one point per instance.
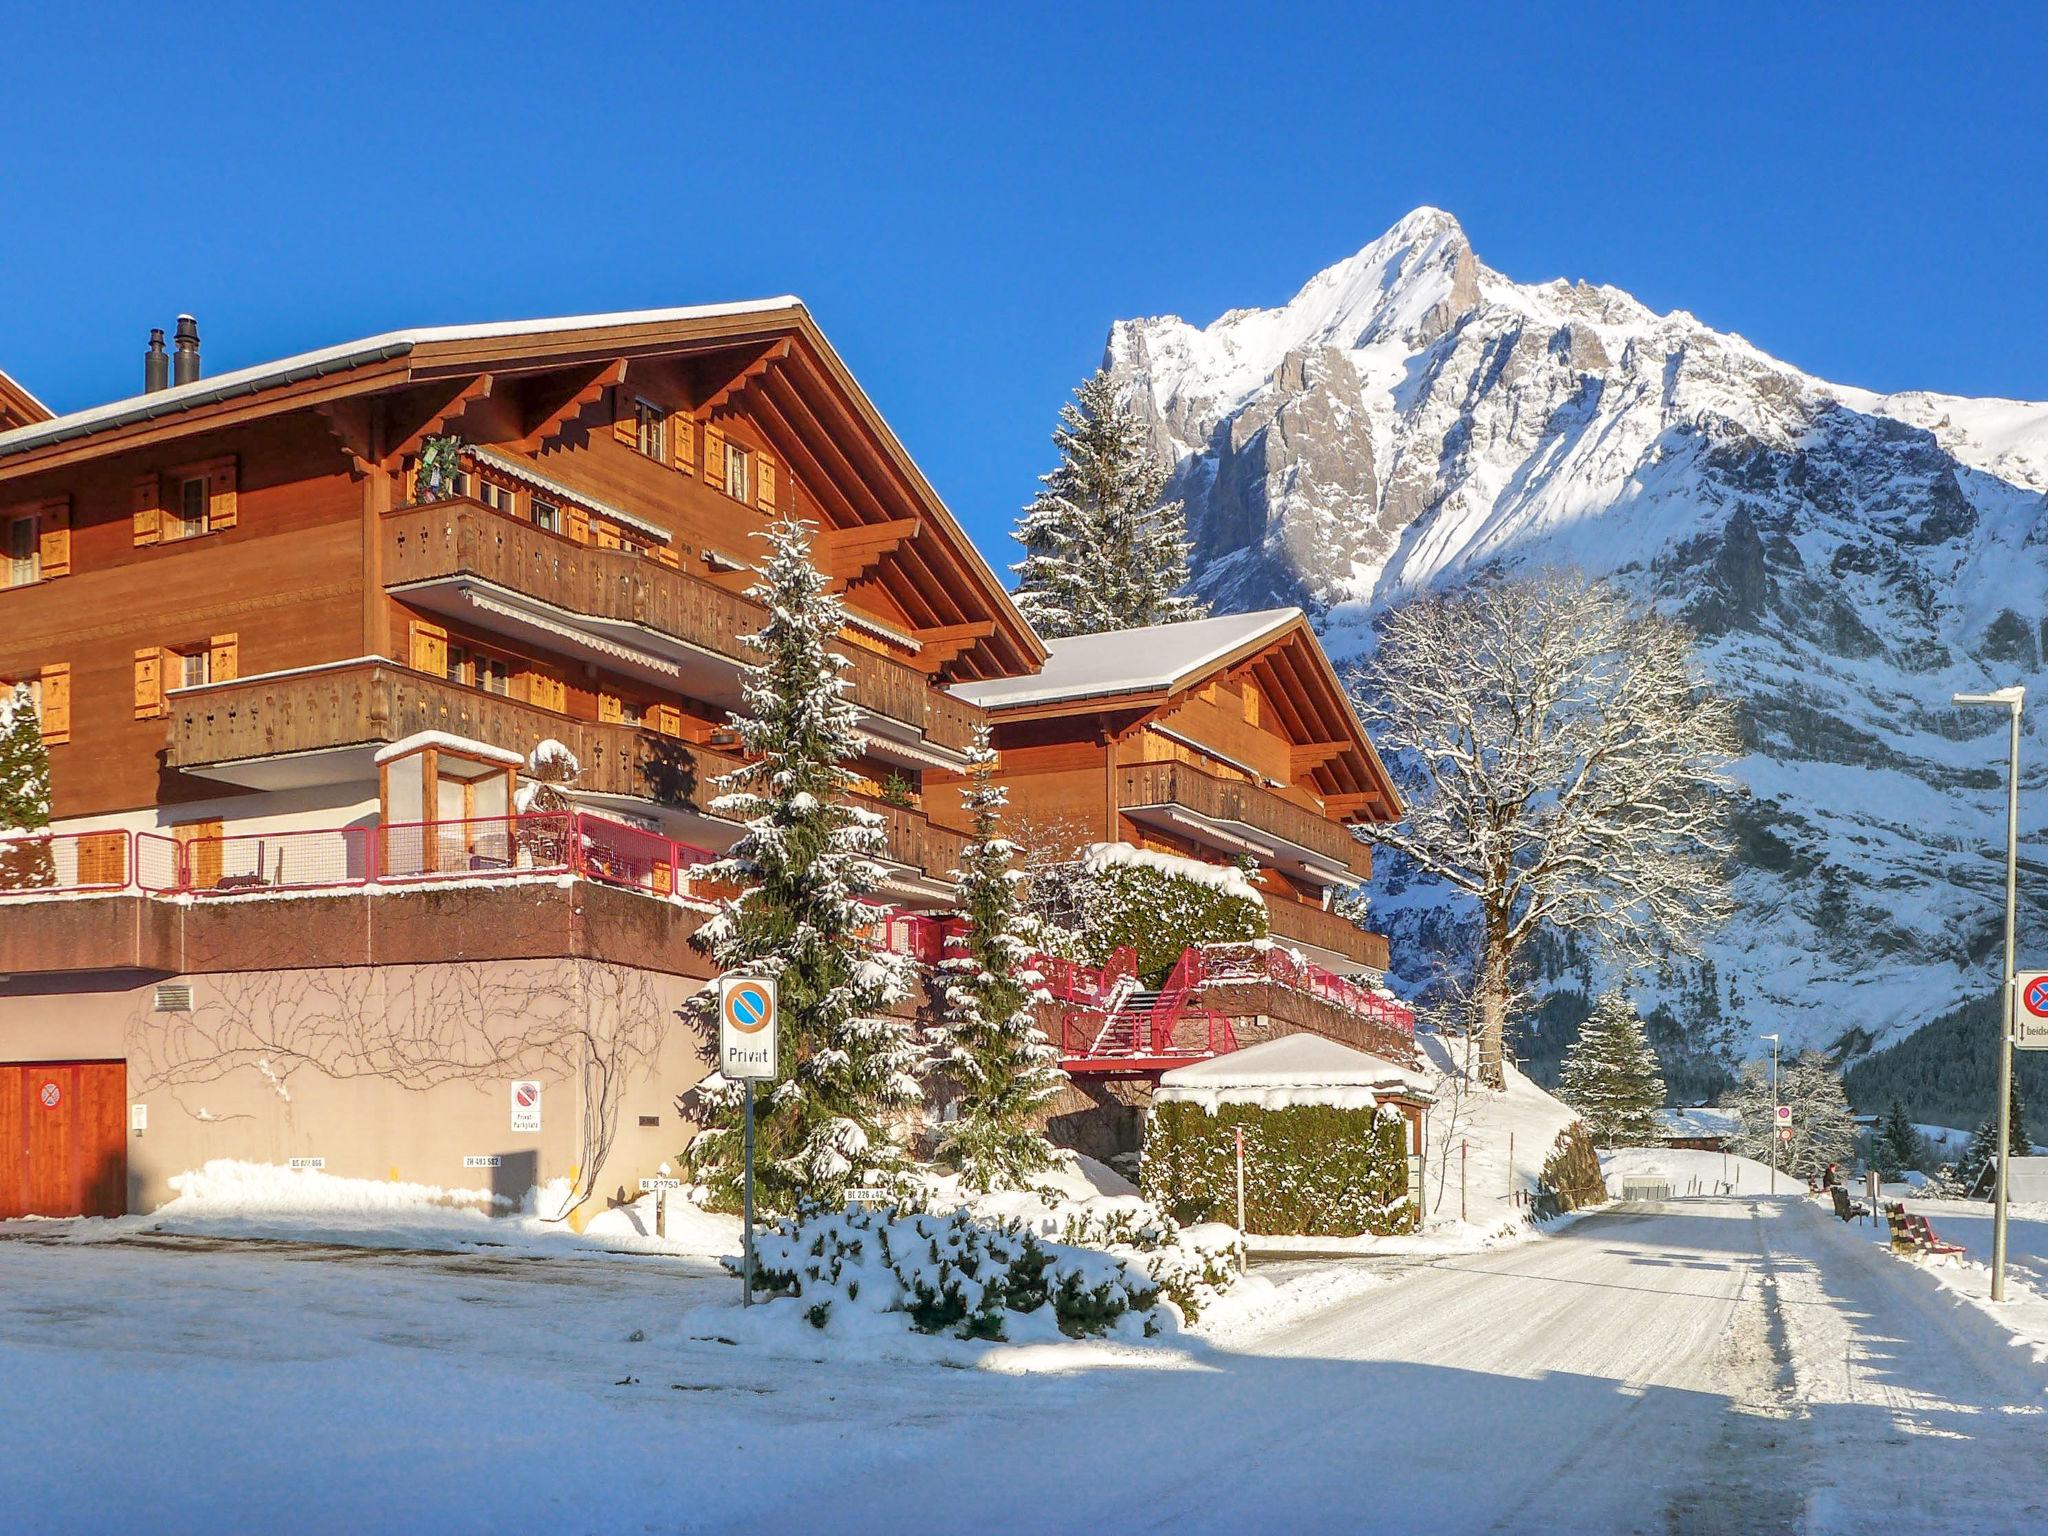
(1171, 783)
(448, 538)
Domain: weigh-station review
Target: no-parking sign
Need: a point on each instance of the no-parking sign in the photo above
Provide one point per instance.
(2030, 1018)
(747, 1027)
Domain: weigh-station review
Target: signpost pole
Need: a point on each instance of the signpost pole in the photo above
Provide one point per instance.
(747, 1201)
(1241, 1251)
(2006, 1020)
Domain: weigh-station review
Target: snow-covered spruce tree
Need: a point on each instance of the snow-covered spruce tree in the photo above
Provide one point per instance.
(1975, 1169)
(848, 1069)
(987, 1040)
(1822, 1130)
(24, 793)
(1895, 1148)
(1610, 1076)
(1100, 550)
(1563, 759)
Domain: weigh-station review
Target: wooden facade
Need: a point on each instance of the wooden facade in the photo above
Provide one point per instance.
(1225, 740)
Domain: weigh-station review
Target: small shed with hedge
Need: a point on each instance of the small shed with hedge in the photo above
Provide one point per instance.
(1332, 1140)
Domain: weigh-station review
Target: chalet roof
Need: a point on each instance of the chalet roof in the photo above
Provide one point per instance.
(16, 401)
(1299, 1068)
(951, 589)
(347, 354)
(1161, 656)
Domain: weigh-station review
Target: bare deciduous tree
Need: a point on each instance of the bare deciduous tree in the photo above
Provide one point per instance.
(1564, 761)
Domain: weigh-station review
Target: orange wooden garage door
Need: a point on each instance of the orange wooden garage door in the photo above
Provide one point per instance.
(63, 1140)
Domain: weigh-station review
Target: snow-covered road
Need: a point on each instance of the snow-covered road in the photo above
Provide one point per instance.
(1711, 1365)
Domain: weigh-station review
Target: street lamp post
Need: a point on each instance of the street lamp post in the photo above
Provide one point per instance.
(1775, 1138)
(2011, 700)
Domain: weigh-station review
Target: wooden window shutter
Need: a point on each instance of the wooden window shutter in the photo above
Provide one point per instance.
(55, 721)
(668, 720)
(579, 525)
(149, 682)
(625, 418)
(147, 504)
(547, 692)
(606, 535)
(682, 442)
(223, 659)
(53, 529)
(714, 457)
(221, 481)
(429, 648)
(666, 554)
(764, 482)
(609, 709)
(103, 858)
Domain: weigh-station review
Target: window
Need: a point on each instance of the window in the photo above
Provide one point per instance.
(189, 512)
(24, 558)
(195, 669)
(479, 669)
(632, 713)
(651, 430)
(546, 515)
(499, 498)
(736, 473)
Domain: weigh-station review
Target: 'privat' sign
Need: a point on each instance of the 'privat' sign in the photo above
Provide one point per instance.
(2030, 1018)
(747, 1027)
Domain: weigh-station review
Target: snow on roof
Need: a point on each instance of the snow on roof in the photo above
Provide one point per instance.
(463, 744)
(1294, 1069)
(1697, 1122)
(348, 354)
(1129, 660)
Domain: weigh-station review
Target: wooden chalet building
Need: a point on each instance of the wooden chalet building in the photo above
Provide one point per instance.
(295, 634)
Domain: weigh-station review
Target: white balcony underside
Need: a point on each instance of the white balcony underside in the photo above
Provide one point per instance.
(1237, 837)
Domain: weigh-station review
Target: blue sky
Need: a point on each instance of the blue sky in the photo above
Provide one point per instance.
(968, 196)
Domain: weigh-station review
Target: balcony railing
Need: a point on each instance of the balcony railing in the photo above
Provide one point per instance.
(372, 703)
(1271, 963)
(1179, 784)
(453, 538)
(1300, 923)
(289, 860)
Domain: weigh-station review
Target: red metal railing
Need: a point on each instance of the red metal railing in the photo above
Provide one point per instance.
(1069, 981)
(54, 863)
(1285, 967)
(332, 858)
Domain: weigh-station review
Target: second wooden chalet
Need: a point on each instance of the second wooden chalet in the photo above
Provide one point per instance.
(1225, 739)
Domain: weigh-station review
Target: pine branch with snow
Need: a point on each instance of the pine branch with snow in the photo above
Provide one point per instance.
(1102, 550)
(987, 1041)
(1564, 763)
(848, 1068)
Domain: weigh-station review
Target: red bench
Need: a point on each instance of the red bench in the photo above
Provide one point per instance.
(1912, 1234)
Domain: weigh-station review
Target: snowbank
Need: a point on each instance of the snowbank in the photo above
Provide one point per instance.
(1694, 1173)
(1480, 1149)
(226, 1198)
(1227, 878)
(2024, 1313)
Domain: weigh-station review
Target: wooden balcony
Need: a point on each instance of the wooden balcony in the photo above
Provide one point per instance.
(452, 539)
(1233, 809)
(1297, 922)
(326, 724)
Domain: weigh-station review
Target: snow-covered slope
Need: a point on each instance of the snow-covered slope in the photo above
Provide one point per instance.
(1849, 559)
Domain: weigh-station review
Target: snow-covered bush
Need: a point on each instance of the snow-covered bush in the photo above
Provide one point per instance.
(1192, 1266)
(1160, 904)
(1310, 1169)
(951, 1274)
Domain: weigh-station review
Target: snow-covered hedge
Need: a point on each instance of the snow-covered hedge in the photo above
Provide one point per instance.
(1311, 1170)
(1160, 904)
(952, 1274)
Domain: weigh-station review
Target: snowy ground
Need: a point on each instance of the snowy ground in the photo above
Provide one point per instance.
(1709, 1365)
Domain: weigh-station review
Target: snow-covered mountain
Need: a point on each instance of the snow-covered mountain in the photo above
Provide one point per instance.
(1849, 559)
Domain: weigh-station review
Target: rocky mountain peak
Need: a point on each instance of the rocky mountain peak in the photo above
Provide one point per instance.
(1410, 417)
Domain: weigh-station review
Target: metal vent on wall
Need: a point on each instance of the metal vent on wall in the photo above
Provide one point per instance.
(174, 997)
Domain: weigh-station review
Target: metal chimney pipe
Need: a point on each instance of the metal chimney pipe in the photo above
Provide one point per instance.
(156, 363)
(185, 365)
